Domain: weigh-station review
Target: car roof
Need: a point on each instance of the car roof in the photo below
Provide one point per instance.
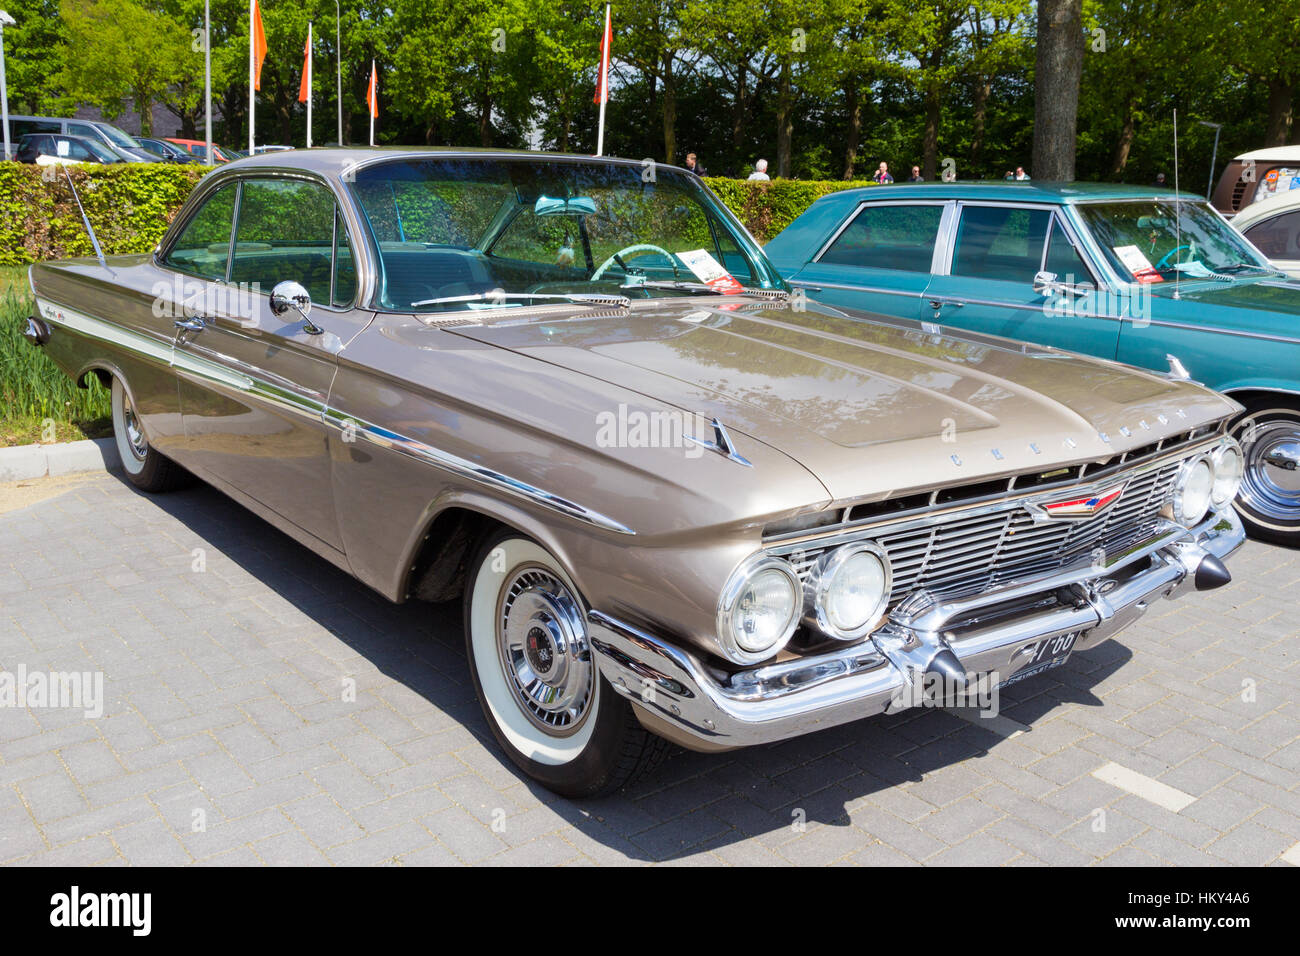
(1265, 207)
(1011, 191)
(330, 161)
(1274, 154)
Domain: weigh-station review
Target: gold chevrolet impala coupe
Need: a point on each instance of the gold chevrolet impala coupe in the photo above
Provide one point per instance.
(679, 503)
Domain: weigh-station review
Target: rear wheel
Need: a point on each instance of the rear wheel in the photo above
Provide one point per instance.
(144, 466)
(1269, 499)
(547, 705)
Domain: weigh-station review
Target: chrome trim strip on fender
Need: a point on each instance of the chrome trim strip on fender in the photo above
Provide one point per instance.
(385, 438)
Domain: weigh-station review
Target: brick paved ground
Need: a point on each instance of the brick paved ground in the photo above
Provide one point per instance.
(226, 738)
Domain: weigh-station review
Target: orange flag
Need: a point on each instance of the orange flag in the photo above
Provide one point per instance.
(372, 94)
(304, 88)
(259, 46)
(602, 75)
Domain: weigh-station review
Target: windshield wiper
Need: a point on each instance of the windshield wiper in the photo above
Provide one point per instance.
(779, 294)
(1262, 270)
(500, 295)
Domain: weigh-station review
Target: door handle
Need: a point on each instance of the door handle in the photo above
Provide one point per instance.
(938, 304)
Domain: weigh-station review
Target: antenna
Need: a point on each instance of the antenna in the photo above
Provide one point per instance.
(99, 253)
(1178, 215)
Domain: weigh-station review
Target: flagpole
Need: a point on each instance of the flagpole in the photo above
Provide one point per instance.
(374, 100)
(252, 81)
(309, 84)
(207, 81)
(604, 85)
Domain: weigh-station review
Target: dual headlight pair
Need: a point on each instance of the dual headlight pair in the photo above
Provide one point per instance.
(1206, 481)
(763, 603)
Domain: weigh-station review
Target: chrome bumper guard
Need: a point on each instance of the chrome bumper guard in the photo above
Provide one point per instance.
(994, 633)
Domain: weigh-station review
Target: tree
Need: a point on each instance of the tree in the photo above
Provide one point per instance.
(118, 50)
(928, 34)
(657, 47)
(1057, 71)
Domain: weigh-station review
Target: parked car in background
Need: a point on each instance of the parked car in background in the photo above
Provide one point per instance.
(673, 504)
(1256, 176)
(258, 151)
(1115, 271)
(199, 148)
(55, 149)
(169, 151)
(108, 134)
(1273, 227)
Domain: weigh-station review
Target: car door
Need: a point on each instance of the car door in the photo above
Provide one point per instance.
(880, 258)
(987, 283)
(254, 383)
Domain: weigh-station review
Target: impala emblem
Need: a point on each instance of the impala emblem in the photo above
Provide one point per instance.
(1080, 507)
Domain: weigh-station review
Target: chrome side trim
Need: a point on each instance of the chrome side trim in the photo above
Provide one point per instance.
(385, 438)
(1263, 336)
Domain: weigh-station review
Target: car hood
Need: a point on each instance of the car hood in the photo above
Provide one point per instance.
(1253, 305)
(869, 405)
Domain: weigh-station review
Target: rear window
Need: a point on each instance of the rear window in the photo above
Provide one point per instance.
(898, 237)
(1277, 237)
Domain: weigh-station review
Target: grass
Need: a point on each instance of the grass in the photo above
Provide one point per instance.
(38, 402)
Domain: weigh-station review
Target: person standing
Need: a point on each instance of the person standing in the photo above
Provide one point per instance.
(882, 174)
(694, 165)
(916, 176)
(1160, 181)
(1021, 175)
(760, 172)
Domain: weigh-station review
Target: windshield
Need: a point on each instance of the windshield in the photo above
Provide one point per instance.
(1154, 240)
(102, 152)
(450, 231)
(117, 137)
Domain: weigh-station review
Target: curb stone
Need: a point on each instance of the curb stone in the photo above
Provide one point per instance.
(22, 462)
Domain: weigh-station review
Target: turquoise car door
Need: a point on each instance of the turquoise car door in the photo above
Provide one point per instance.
(879, 260)
(987, 284)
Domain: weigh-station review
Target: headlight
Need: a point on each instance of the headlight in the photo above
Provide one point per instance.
(847, 589)
(1192, 489)
(759, 609)
(1229, 466)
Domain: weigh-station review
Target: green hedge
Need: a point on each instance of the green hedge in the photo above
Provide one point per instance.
(131, 206)
(768, 207)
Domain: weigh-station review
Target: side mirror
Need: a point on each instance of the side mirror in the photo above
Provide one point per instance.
(291, 295)
(1047, 284)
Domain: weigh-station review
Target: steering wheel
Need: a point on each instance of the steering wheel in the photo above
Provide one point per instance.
(1164, 260)
(617, 258)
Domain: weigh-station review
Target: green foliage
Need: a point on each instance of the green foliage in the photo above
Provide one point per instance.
(32, 386)
(768, 207)
(130, 207)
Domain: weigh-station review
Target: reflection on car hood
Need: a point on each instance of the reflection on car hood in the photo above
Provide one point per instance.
(859, 399)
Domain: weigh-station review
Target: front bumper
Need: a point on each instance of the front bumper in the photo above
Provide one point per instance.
(994, 633)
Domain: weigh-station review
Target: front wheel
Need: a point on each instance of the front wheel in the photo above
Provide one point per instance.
(535, 674)
(1269, 499)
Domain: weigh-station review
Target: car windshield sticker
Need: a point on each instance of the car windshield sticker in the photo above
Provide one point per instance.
(1138, 264)
(709, 271)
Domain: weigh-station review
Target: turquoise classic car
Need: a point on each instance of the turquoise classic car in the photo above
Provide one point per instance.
(1142, 276)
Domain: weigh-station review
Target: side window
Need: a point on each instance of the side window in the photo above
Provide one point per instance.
(285, 231)
(203, 246)
(79, 152)
(345, 267)
(888, 237)
(1063, 259)
(1279, 237)
(1000, 242)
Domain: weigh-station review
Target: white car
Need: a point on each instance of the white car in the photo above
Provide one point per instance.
(1273, 227)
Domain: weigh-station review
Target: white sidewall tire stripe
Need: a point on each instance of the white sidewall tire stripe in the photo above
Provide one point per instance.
(132, 464)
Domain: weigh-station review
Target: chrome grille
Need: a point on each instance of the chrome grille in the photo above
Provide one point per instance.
(967, 554)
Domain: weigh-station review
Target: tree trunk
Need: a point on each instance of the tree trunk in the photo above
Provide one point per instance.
(739, 106)
(1057, 70)
(979, 120)
(670, 117)
(930, 141)
(485, 120)
(144, 106)
(784, 121)
(1119, 159)
(853, 100)
(1281, 92)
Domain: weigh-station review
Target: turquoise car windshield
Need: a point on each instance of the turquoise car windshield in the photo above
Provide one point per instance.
(1154, 240)
(462, 234)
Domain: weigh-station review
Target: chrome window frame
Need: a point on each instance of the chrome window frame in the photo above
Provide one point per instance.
(877, 203)
(1055, 209)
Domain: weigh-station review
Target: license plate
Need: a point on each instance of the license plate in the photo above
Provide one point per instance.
(1050, 652)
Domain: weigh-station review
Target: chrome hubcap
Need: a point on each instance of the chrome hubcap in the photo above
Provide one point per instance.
(134, 434)
(1271, 484)
(543, 649)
